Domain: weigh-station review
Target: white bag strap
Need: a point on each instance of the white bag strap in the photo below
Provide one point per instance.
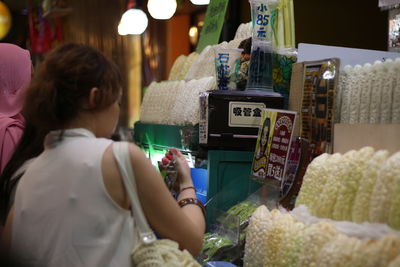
(121, 154)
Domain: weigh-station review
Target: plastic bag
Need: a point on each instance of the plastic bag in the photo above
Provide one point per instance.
(363, 231)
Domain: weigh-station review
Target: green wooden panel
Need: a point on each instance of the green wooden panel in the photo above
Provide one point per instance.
(229, 181)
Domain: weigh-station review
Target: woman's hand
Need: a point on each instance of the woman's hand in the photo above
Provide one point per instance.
(184, 177)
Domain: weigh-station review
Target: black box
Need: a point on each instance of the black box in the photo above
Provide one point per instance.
(230, 119)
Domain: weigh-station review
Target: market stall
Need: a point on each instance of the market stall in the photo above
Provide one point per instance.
(271, 126)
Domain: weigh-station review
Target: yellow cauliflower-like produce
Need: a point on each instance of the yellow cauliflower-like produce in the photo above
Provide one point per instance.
(350, 182)
(361, 253)
(338, 252)
(275, 237)
(187, 64)
(376, 253)
(291, 245)
(369, 175)
(272, 239)
(176, 68)
(313, 182)
(327, 198)
(315, 237)
(395, 262)
(394, 211)
(388, 249)
(384, 193)
(255, 235)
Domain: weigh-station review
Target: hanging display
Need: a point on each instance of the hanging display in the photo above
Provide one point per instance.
(317, 111)
(44, 33)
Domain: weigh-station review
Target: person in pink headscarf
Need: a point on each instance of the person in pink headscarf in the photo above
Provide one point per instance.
(15, 75)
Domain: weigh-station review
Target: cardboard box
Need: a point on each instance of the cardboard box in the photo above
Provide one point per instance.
(356, 136)
(296, 90)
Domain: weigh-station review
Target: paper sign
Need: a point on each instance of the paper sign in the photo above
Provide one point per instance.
(245, 114)
(213, 22)
(203, 122)
(273, 145)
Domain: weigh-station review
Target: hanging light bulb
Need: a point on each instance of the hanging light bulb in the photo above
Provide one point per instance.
(161, 9)
(5, 20)
(193, 35)
(133, 21)
(200, 2)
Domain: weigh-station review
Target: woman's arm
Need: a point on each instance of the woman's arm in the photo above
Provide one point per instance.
(185, 225)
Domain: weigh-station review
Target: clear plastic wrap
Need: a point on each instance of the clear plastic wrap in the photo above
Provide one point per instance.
(260, 69)
(244, 31)
(364, 230)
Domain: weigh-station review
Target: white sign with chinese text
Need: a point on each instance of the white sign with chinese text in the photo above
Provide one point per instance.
(245, 114)
(203, 122)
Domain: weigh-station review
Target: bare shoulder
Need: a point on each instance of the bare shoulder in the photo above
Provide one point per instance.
(134, 151)
(146, 174)
(137, 156)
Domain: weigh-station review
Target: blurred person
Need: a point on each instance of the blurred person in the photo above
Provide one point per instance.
(71, 207)
(15, 75)
(243, 71)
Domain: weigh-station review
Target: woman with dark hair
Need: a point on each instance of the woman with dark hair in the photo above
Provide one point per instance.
(264, 137)
(260, 161)
(71, 207)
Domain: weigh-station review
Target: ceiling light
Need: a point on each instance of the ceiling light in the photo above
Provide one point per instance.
(161, 9)
(5, 20)
(193, 31)
(200, 2)
(193, 35)
(133, 21)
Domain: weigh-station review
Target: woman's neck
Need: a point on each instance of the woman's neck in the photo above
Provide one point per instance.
(83, 121)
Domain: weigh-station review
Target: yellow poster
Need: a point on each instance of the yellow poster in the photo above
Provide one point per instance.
(265, 132)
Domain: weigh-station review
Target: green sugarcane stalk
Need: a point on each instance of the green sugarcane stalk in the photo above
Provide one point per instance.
(281, 27)
(274, 26)
(292, 25)
(286, 16)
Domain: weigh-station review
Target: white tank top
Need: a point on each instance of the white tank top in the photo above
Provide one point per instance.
(63, 215)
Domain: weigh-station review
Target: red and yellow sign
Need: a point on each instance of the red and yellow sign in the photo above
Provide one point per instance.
(273, 144)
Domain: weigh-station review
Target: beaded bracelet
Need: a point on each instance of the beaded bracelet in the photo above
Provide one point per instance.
(189, 187)
(187, 201)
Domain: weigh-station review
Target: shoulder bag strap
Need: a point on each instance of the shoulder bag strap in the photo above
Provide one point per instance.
(121, 154)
